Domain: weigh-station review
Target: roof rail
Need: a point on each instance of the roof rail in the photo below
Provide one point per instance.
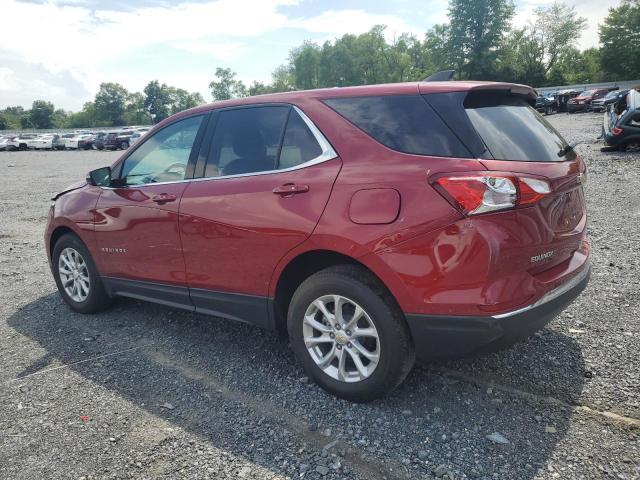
(443, 76)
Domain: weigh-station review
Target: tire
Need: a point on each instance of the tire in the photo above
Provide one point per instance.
(96, 298)
(631, 146)
(548, 111)
(22, 147)
(124, 145)
(356, 287)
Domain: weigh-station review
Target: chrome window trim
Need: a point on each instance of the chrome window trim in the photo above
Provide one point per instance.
(328, 153)
(552, 295)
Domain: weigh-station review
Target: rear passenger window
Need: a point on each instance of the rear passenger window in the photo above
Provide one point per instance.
(246, 140)
(405, 123)
(299, 144)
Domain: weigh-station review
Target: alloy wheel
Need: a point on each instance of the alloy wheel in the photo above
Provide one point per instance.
(341, 338)
(74, 274)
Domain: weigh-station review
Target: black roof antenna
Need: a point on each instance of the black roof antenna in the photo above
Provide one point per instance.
(443, 76)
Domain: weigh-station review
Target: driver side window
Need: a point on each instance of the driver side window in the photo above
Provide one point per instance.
(164, 156)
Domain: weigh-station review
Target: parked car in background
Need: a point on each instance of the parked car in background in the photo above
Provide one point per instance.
(117, 140)
(44, 142)
(88, 142)
(9, 142)
(546, 104)
(609, 99)
(73, 143)
(583, 101)
(384, 223)
(136, 137)
(622, 123)
(93, 141)
(60, 144)
(24, 139)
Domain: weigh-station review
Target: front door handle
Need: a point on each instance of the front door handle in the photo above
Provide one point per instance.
(289, 189)
(163, 198)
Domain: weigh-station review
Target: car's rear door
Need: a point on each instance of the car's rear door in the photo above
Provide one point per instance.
(137, 222)
(268, 176)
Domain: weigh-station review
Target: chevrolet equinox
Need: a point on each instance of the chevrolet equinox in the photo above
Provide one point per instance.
(374, 225)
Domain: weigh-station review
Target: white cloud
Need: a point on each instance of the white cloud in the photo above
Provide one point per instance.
(593, 10)
(338, 22)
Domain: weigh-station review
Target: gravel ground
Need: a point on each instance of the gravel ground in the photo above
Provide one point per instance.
(143, 391)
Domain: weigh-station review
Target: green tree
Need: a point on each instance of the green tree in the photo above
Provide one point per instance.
(60, 118)
(157, 100)
(183, 100)
(305, 63)
(557, 29)
(111, 103)
(4, 122)
(135, 111)
(620, 39)
(86, 118)
(226, 86)
(41, 115)
(476, 32)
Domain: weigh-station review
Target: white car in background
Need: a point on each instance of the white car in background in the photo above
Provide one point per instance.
(43, 142)
(9, 142)
(135, 138)
(72, 142)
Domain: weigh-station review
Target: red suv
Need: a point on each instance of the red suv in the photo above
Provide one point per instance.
(583, 101)
(372, 224)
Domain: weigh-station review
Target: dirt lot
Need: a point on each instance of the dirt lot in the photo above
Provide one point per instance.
(143, 391)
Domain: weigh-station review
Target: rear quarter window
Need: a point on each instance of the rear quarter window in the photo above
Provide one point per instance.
(405, 123)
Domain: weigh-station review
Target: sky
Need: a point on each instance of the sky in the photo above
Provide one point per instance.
(61, 50)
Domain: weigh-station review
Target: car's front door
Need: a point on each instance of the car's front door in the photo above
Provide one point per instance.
(137, 221)
(268, 177)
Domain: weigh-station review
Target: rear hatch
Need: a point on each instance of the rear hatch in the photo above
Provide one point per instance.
(501, 128)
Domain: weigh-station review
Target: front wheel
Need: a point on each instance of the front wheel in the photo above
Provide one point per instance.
(124, 145)
(77, 277)
(349, 334)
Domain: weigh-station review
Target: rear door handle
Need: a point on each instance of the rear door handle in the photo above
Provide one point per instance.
(289, 189)
(163, 198)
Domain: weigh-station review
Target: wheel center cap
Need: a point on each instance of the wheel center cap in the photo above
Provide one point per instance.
(341, 337)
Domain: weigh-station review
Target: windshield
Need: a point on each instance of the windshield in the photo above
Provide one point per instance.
(587, 93)
(512, 130)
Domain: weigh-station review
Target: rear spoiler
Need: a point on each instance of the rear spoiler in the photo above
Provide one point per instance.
(523, 91)
(442, 76)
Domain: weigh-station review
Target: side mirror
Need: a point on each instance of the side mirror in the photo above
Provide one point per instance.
(100, 177)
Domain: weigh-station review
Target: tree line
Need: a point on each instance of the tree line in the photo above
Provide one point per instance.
(479, 42)
(113, 105)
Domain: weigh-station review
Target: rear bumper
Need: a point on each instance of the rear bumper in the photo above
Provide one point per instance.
(441, 337)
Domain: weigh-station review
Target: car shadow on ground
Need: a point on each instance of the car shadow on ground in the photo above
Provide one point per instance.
(240, 389)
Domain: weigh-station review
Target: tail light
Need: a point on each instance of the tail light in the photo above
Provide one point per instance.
(490, 192)
(616, 130)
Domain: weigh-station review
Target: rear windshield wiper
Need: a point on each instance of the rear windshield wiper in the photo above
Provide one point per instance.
(566, 149)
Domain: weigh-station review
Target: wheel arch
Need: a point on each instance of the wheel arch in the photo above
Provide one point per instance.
(301, 267)
(57, 233)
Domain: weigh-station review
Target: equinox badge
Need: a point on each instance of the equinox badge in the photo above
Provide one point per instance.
(542, 256)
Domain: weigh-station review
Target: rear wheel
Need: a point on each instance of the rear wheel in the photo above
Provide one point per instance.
(124, 145)
(77, 277)
(348, 333)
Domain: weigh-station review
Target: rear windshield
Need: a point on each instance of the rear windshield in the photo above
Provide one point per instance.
(512, 130)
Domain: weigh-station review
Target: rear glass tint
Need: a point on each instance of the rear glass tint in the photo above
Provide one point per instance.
(512, 130)
(405, 123)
